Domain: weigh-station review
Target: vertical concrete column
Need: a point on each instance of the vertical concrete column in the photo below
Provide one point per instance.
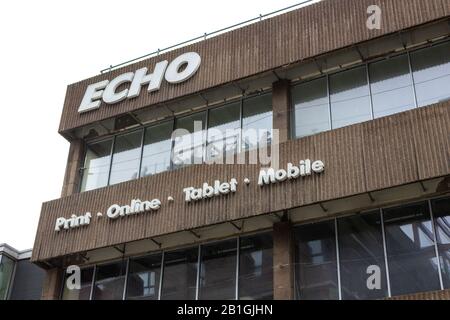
(281, 104)
(72, 178)
(51, 288)
(283, 261)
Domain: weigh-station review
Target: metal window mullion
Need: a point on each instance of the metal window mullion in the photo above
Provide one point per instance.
(413, 82)
(436, 249)
(386, 264)
(238, 254)
(127, 270)
(338, 261)
(329, 102)
(113, 145)
(142, 152)
(197, 281)
(241, 121)
(172, 148)
(94, 274)
(161, 276)
(370, 92)
(205, 143)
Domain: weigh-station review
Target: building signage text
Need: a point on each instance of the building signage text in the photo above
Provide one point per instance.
(179, 70)
(266, 177)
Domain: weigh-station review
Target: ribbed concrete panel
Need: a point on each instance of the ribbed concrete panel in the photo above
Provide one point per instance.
(271, 43)
(369, 156)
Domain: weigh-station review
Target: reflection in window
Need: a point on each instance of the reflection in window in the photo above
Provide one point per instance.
(257, 121)
(188, 148)
(223, 132)
(391, 86)
(218, 271)
(143, 277)
(256, 267)
(109, 281)
(84, 292)
(349, 97)
(157, 149)
(180, 274)
(410, 249)
(441, 213)
(126, 157)
(316, 267)
(96, 165)
(431, 71)
(6, 272)
(311, 108)
(361, 246)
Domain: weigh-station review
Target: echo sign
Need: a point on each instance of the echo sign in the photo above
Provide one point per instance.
(180, 69)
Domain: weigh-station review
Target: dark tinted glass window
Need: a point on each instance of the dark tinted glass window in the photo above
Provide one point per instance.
(180, 274)
(218, 271)
(257, 121)
(316, 267)
(256, 267)
(109, 281)
(391, 86)
(223, 131)
(360, 250)
(311, 107)
(84, 292)
(157, 149)
(410, 249)
(349, 97)
(441, 213)
(143, 278)
(96, 165)
(431, 70)
(126, 157)
(188, 147)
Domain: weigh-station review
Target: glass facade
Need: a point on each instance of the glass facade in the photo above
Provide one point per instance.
(84, 293)
(238, 268)
(384, 252)
(109, 281)
(6, 273)
(395, 84)
(220, 131)
(316, 266)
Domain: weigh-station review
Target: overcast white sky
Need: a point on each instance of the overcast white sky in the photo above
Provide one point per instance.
(46, 45)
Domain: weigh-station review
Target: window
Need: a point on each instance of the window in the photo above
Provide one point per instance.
(360, 247)
(257, 121)
(223, 132)
(96, 165)
(126, 157)
(256, 267)
(218, 271)
(431, 71)
(441, 213)
(109, 281)
(316, 267)
(180, 274)
(311, 107)
(157, 149)
(391, 86)
(143, 277)
(84, 293)
(410, 249)
(349, 97)
(188, 148)
(6, 272)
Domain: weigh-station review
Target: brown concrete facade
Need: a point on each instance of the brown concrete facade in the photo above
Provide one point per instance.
(388, 152)
(272, 43)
